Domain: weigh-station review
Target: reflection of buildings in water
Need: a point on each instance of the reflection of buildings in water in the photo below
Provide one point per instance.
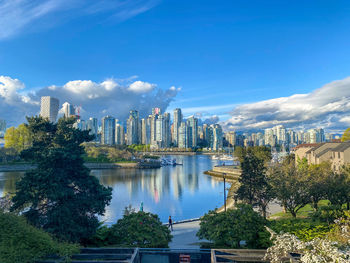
(192, 178)
(178, 180)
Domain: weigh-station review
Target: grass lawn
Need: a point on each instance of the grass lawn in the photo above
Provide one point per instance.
(304, 212)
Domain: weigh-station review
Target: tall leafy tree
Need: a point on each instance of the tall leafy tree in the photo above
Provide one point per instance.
(290, 187)
(60, 195)
(346, 135)
(19, 138)
(254, 187)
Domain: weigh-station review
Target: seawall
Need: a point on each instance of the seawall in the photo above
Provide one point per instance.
(94, 166)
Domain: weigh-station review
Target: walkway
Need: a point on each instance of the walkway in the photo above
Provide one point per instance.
(184, 236)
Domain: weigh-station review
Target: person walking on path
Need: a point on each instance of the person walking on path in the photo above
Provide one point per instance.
(170, 223)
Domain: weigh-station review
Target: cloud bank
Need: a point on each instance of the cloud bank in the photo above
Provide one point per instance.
(97, 99)
(327, 107)
(19, 15)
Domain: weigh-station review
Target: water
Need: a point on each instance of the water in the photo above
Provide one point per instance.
(181, 191)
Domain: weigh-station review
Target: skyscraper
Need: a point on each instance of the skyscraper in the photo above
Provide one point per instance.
(182, 136)
(192, 125)
(49, 108)
(132, 129)
(108, 130)
(177, 123)
(2, 128)
(119, 134)
(217, 137)
(68, 110)
(167, 133)
(92, 125)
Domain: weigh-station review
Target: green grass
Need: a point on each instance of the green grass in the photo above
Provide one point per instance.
(304, 212)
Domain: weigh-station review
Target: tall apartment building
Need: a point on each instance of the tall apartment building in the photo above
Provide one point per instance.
(183, 136)
(167, 128)
(92, 126)
(119, 134)
(49, 107)
(2, 128)
(217, 139)
(108, 130)
(192, 126)
(68, 110)
(177, 122)
(132, 128)
(146, 131)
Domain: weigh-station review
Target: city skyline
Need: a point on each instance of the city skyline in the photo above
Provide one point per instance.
(248, 65)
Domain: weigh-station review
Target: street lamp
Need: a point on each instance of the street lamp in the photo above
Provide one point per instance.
(224, 174)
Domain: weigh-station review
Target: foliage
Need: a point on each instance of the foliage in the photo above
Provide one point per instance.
(21, 242)
(328, 213)
(8, 155)
(261, 152)
(60, 195)
(100, 238)
(19, 138)
(140, 147)
(227, 229)
(290, 187)
(140, 229)
(346, 135)
(107, 154)
(254, 187)
(316, 179)
(304, 229)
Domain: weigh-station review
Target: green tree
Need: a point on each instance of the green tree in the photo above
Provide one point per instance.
(346, 135)
(316, 179)
(19, 138)
(139, 229)
(60, 196)
(290, 187)
(20, 242)
(254, 187)
(228, 229)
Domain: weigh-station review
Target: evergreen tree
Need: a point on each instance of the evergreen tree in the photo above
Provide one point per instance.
(60, 195)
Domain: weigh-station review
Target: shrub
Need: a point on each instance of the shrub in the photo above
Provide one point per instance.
(304, 229)
(228, 229)
(139, 229)
(21, 242)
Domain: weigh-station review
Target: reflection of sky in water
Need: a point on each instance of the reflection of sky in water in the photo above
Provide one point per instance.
(182, 191)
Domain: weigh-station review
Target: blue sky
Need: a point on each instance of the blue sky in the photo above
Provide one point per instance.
(218, 56)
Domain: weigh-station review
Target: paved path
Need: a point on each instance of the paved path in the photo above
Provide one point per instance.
(184, 235)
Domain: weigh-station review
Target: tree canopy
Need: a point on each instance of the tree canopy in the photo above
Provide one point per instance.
(346, 135)
(227, 229)
(60, 196)
(19, 138)
(139, 229)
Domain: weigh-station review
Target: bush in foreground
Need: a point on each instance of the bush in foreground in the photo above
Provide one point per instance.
(20, 242)
(139, 229)
(228, 229)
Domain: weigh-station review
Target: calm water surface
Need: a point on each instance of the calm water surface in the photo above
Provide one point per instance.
(181, 191)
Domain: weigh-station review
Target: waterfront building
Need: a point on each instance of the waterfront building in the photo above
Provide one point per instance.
(146, 131)
(167, 130)
(108, 130)
(68, 110)
(177, 122)
(231, 138)
(132, 129)
(92, 126)
(2, 128)
(217, 137)
(183, 136)
(80, 124)
(119, 134)
(192, 126)
(49, 107)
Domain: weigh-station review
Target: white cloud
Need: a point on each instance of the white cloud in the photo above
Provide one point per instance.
(141, 87)
(325, 107)
(18, 15)
(98, 99)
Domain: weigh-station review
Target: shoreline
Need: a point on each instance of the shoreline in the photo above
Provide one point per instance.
(23, 167)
